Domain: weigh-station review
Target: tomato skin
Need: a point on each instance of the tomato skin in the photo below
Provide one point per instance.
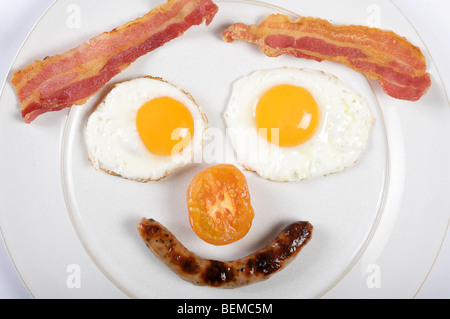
(219, 204)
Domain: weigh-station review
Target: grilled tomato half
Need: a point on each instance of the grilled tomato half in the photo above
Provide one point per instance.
(220, 210)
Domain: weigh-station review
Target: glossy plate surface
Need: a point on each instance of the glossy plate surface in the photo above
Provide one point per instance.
(378, 225)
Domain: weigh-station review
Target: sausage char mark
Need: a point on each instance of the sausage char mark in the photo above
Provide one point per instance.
(231, 274)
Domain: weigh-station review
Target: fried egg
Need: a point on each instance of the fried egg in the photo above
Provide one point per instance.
(292, 124)
(144, 130)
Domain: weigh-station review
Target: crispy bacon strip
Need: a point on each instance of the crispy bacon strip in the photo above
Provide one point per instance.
(381, 55)
(72, 78)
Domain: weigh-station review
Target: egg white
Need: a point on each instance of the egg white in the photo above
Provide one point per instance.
(112, 139)
(345, 125)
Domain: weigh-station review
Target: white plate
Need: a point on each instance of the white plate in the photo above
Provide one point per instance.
(378, 226)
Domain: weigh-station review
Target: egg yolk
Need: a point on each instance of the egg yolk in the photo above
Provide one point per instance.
(165, 126)
(287, 115)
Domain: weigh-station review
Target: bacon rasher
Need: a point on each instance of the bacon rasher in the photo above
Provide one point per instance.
(71, 78)
(399, 66)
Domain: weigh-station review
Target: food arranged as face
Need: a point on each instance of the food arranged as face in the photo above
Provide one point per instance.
(286, 124)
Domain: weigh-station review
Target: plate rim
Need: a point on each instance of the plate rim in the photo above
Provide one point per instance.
(425, 47)
(441, 80)
(2, 89)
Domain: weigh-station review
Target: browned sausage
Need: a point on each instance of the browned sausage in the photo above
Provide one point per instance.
(232, 274)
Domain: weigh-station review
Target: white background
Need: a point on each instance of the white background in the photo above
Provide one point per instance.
(17, 18)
